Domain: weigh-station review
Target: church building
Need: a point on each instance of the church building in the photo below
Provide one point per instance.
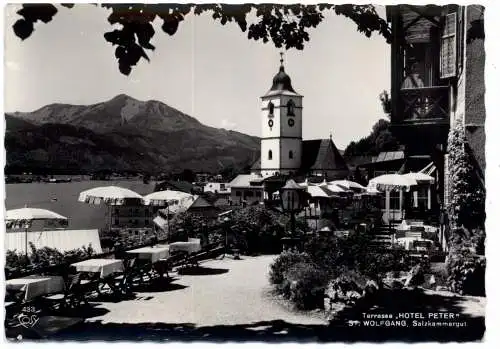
(283, 151)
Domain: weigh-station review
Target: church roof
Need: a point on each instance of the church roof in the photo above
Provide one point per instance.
(318, 155)
(282, 83)
(321, 154)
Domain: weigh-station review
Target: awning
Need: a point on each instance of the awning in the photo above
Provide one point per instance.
(429, 169)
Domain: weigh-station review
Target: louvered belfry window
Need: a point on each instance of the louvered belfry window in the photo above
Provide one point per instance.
(448, 54)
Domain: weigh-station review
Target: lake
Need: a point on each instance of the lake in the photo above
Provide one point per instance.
(81, 215)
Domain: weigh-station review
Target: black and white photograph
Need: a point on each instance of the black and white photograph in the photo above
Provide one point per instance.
(274, 173)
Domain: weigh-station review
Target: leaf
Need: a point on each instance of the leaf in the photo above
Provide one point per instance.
(23, 28)
(170, 25)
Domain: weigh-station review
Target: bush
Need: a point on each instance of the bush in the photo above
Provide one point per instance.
(44, 257)
(283, 263)
(467, 193)
(355, 252)
(307, 285)
(466, 273)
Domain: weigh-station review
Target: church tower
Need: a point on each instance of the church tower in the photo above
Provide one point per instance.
(281, 141)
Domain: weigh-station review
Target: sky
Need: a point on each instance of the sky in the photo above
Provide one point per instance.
(209, 71)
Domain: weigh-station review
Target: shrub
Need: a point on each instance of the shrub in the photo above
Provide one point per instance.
(354, 252)
(347, 287)
(283, 263)
(466, 273)
(307, 285)
(467, 194)
(44, 257)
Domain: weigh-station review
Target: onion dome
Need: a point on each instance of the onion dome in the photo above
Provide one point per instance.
(281, 81)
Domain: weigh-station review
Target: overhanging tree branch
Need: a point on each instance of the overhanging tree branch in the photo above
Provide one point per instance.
(285, 25)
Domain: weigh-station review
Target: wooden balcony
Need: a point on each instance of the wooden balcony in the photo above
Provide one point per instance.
(424, 105)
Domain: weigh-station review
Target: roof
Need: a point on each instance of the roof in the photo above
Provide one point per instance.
(244, 180)
(256, 165)
(62, 240)
(282, 84)
(183, 186)
(321, 154)
(317, 154)
(390, 156)
(200, 202)
(281, 81)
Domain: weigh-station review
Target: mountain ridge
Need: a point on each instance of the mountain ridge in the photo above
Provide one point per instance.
(120, 130)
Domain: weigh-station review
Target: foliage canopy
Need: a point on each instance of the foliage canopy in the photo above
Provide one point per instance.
(285, 25)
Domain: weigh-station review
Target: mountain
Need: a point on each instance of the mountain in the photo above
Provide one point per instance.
(122, 134)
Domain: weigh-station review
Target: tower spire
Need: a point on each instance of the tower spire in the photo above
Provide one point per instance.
(281, 60)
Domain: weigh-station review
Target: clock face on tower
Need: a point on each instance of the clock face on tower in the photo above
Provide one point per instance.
(291, 122)
(270, 122)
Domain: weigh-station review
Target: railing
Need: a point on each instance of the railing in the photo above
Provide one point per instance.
(424, 103)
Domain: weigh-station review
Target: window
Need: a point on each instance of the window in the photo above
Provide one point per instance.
(270, 155)
(448, 54)
(238, 193)
(222, 186)
(290, 108)
(422, 197)
(248, 194)
(290, 154)
(394, 200)
(271, 108)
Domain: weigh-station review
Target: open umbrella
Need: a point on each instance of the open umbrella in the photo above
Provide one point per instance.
(24, 217)
(334, 188)
(392, 182)
(348, 185)
(111, 196)
(318, 192)
(420, 177)
(168, 198)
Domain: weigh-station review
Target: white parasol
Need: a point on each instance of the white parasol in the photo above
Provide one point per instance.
(24, 217)
(389, 182)
(334, 188)
(168, 198)
(317, 192)
(31, 214)
(109, 195)
(348, 185)
(420, 177)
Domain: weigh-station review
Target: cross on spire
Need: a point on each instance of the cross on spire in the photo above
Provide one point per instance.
(281, 59)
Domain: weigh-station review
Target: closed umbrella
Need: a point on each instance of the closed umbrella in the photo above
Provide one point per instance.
(24, 217)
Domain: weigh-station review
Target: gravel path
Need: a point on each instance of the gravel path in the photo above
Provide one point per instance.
(237, 292)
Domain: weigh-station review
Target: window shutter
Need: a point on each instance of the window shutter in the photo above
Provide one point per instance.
(448, 54)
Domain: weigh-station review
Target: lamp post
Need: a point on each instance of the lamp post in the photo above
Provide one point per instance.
(292, 201)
